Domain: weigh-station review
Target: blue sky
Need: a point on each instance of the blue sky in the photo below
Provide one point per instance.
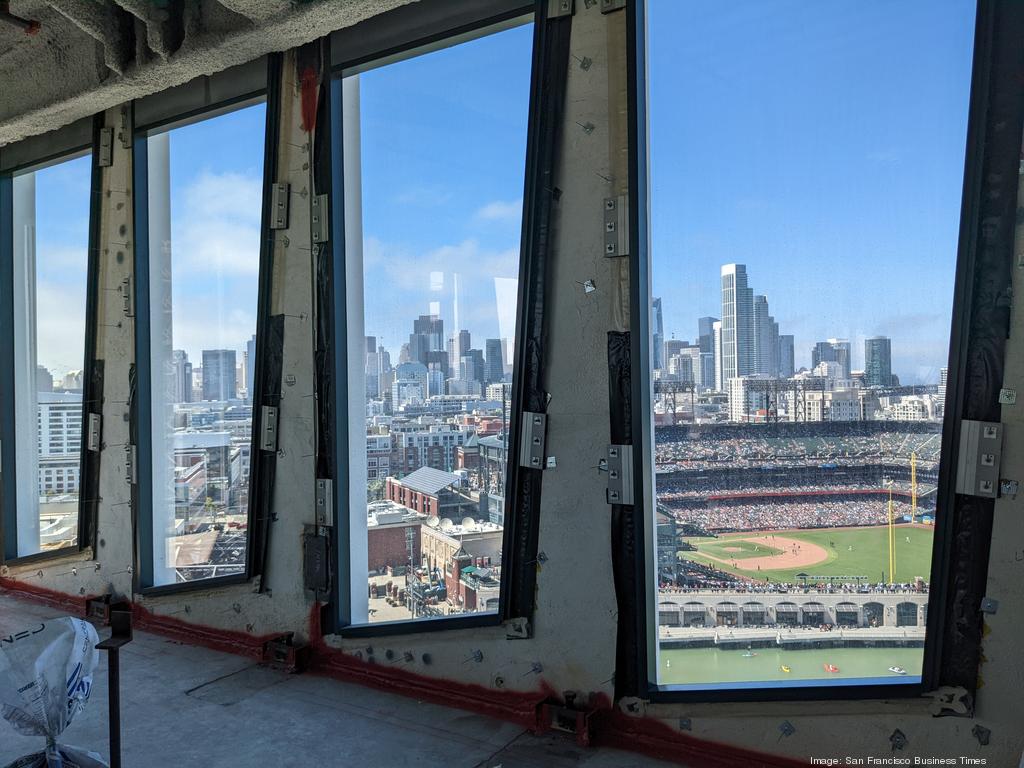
(443, 158)
(62, 254)
(822, 145)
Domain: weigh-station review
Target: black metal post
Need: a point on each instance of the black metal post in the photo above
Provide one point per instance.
(121, 635)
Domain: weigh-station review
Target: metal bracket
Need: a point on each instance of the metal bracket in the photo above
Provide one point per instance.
(616, 226)
(950, 700)
(126, 296)
(989, 605)
(131, 464)
(981, 447)
(559, 8)
(105, 151)
(324, 501)
(268, 428)
(321, 231)
(125, 134)
(620, 474)
(517, 629)
(92, 437)
(279, 197)
(607, 6)
(534, 433)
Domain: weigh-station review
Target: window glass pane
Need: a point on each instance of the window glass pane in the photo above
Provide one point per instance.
(51, 258)
(205, 202)
(806, 165)
(434, 159)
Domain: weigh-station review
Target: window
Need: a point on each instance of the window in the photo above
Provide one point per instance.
(45, 300)
(434, 178)
(806, 170)
(198, 289)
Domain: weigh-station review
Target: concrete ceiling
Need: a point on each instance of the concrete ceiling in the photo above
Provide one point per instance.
(90, 55)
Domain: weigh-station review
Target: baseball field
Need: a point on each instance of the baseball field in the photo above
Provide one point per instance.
(779, 556)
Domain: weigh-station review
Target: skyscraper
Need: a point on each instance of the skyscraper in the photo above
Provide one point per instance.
(472, 366)
(44, 379)
(716, 341)
(250, 367)
(658, 334)
(878, 361)
(706, 342)
(766, 339)
(182, 376)
(787, 358)
(737, 322)
(427, 336)
(495, 367)
(832, 351)
(220, 379)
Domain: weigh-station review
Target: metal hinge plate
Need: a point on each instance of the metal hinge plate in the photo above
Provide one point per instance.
(324, 501)
(616, 226)
(131, 464)
(620, 474)
(105, 151)
(279, 194)
(268, 428)
(320, 230)
(531, 449)
(559, 8)
(93, 425)
(981, 448)
(125, 134)
(128, 308)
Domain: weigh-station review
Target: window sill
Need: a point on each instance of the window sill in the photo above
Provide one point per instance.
(31, 563)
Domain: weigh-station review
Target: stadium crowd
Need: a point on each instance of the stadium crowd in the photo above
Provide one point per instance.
(750, 446)
(767, 514)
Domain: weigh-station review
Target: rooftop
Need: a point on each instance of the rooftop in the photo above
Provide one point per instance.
(428, 480)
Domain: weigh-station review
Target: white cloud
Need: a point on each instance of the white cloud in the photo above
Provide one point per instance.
(218, 232)
(501, 210)
(60, 327)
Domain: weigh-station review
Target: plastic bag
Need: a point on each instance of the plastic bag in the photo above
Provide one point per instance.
(45, 680)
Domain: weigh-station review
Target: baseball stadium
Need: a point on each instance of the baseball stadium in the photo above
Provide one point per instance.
(794, 551)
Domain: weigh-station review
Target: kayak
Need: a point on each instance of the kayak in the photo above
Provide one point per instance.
(898, 670)
(784, 668)
(831, 668)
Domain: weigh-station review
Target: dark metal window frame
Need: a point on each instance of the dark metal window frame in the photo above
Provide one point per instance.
(202, 99)
(403, 33)
(979, 328)
(31, 154)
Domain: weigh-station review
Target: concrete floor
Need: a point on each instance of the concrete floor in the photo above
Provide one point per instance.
(183, 705)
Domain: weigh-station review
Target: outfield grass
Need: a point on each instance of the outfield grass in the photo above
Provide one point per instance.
(869, 555)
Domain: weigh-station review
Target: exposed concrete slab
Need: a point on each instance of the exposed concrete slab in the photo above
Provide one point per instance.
(185, 705)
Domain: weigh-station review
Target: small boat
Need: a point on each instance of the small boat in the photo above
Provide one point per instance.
(831, 668)
(897, 670)
(784, 668)
(749, 654)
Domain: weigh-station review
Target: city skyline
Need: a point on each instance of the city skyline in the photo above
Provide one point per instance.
(747, 341)
(838, 184)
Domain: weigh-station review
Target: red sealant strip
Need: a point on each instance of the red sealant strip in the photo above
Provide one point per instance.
(609, 726)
